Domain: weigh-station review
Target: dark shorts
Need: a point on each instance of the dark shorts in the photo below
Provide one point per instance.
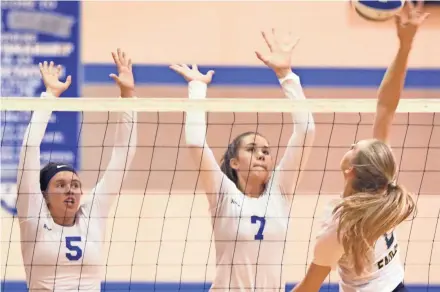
(400, 288)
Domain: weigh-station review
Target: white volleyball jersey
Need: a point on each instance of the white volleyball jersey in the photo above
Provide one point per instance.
(385, 273)
(58, 258)
(250, 233)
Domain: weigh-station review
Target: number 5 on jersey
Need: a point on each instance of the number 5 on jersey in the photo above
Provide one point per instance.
(72, 245)
(262, 221)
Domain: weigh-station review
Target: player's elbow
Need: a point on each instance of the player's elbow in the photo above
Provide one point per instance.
(195, 140)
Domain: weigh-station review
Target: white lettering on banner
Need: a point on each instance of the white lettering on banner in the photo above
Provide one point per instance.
(8, 154)
(66, 157)
(48, 4)
(14, 117)
(9, 193)
(33, 32)
(49, 23)
(9, 171)
(20, 4)
(55, 49)
(29, 71)
(53, 138)
(15, 37)
(53, 118)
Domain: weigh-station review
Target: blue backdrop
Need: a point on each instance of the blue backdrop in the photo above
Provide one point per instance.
(33, 32)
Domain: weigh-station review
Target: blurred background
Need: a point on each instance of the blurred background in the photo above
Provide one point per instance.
(153, 239)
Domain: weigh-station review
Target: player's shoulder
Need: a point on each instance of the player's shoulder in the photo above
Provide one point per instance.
(85, 209)
(329, 222)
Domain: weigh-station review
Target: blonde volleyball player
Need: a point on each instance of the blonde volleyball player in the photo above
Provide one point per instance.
(62, 238)
(359, 237)
(250, 201)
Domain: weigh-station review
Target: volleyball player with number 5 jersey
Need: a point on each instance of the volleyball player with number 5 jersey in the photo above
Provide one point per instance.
(250, 201)
(62, 238)
(359, 237)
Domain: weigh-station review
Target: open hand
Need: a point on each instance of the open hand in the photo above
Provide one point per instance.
(409, 20)
(281, 46)
(51, 75)
(125, 78)
(192, 74)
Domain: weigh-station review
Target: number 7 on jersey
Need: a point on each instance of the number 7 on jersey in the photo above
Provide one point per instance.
(262, 221)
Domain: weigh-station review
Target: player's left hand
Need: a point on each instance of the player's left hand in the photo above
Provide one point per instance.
(409, 20)
(51, 79)
(125, 78)
(281, 46)
(193, 73)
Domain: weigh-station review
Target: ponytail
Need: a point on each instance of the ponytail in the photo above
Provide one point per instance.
(225, 165)
(364, 218)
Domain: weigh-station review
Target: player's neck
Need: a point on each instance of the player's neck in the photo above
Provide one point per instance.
(64, 220)
(348, 191)
(251, 188)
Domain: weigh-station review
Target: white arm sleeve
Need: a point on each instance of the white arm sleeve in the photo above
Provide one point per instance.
(123, 152)
(30, 200)
(296, 154)
(214, 181)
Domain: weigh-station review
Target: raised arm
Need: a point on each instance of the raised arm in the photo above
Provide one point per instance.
(125, 143)
(393, 82)
(30, 198)
(299, 145)
(298, 148)
(211, 176)
(326, 254)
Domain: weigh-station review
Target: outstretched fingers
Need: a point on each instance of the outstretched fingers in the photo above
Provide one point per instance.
(177, 68)
(262, 57)
(269, 38)
(130, 64)
(68, 81)
(58, 70)
(51, 68)
(116, 59)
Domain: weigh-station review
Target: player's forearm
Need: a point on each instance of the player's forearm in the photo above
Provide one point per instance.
(125, 143)
(393, 81)
(127, 129)
(28, 174)
(292, 88)
(122, 156)
(195, 124)
(30, 151)
(37, 126)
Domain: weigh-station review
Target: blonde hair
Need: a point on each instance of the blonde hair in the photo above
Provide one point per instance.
(376, 206)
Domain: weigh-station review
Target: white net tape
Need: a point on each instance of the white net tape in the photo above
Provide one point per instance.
(214, 105)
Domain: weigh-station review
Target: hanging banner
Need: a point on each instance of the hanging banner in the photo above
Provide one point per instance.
(34, 32)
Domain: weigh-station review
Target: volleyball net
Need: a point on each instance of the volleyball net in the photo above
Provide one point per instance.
(159, 233)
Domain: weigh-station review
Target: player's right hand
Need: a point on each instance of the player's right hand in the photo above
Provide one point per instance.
(192, 74)
(51, 75)
(281, 46)
(125, 78)
(409, 20)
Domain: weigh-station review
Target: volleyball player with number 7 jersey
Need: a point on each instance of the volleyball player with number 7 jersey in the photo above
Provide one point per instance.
(359, 237)
(62, 238)
(250, 201)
